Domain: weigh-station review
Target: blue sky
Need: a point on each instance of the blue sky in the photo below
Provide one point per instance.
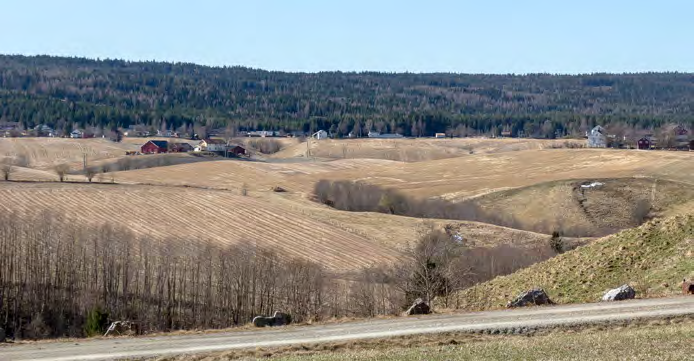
(395, 36)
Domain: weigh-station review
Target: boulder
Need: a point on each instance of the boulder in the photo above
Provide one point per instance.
(419, 307)
(536, 296)
(687, 287)
(623, 292)
(278, 319)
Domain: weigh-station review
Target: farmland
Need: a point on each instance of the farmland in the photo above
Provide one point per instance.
(210, 231)
(202, 200)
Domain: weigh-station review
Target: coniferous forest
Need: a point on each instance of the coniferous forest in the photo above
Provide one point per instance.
(68, 93)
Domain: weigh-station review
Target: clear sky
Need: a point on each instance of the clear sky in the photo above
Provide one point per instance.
(511, 36)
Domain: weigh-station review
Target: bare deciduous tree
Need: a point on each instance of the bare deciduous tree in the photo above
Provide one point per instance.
(89, 173)
(433, 268)
(7, 167)
(61, 170)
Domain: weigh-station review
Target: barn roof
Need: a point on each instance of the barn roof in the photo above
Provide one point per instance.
(215, 141)
(160, 143)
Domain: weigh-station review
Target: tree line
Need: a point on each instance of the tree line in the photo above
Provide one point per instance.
(59, 278)
(68, 93)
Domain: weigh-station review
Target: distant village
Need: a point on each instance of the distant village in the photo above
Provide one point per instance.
(675, 138)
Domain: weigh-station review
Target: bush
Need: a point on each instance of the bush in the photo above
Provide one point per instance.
(96, 324)
(265, 145)
(37, 328)
(556, 242)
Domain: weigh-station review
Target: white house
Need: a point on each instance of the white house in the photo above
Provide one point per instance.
(321, 134)
(597, 138)
(212, 145)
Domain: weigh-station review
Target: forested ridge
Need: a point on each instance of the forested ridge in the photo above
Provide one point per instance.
(75, 92)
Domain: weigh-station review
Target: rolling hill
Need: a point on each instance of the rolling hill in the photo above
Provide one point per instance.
(341, 241)
(454, 179)
(588, 207)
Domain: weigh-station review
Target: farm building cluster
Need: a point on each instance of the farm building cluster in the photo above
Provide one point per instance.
(676, 139)
(217, 146)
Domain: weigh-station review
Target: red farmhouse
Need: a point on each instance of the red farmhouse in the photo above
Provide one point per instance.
(154, 147)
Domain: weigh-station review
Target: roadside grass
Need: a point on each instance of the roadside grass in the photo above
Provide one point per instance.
(644, 340)
(653, 258)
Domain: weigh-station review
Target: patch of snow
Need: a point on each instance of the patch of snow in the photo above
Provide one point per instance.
(592, 185)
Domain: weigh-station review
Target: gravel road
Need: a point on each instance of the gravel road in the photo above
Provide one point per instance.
(119, 348)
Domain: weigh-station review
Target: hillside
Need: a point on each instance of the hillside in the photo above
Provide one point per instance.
(653, 258)
(415, 149)
(454, 179)
(340, 241)
(588, 207)
(107, 93)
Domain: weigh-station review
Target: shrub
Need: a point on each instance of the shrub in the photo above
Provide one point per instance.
(96, 324)
(265, 145)
(556, 242)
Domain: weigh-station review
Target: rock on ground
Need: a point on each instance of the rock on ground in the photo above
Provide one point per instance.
(623, 292)
(278, 319)
(419, 307)
(687, 287)
(536, 296)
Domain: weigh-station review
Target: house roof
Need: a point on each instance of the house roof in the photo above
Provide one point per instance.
(215, 141)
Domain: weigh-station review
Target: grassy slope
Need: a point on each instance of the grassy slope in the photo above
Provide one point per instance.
(660, 251)
(565, 206)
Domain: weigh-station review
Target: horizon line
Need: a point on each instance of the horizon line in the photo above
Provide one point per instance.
(391, 72)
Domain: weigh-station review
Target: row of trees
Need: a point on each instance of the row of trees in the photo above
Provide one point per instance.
(105, 95)
(58, 279)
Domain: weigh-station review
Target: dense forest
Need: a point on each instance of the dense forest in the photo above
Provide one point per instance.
(67, 93)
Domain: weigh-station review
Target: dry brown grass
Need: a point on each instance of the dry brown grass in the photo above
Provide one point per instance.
(291, 221)
(45, 153)
(454, 179)
(413, 150)
(339, 240)
(564, 206)
(197, 214)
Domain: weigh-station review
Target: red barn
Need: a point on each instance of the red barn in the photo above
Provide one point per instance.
(154, 147)
(643, 143)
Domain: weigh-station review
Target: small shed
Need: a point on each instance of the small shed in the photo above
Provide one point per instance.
(155, 147)
(643, 143)
(440, 135)
(237, 150)
(181, 147)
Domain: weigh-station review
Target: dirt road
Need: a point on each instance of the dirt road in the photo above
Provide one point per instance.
(119, 348)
